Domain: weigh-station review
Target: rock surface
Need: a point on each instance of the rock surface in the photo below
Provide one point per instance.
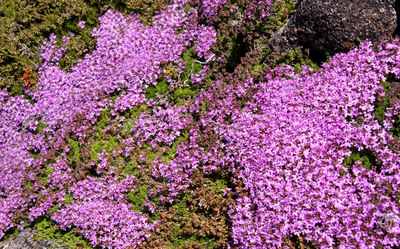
(336, 25)
(394, 93)
(25, 240)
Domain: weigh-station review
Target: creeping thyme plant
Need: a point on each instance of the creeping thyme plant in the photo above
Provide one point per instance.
(179, 128)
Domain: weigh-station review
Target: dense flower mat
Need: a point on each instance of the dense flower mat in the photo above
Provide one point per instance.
(307, 158)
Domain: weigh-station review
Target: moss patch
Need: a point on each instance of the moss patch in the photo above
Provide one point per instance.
(47, 230)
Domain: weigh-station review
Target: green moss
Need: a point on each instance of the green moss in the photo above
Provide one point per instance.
(95, 150)
(49, 170)
(28, 184)
(145, 9)
(161, 88)
(366, 157)
(131, 168)
(68, 199)
(151, 156)
(46, 230)
(138, 197)
(43, 179)
(187, 8)
(189, 56)
(40, 127)
(99, 146)
(176, 143)
(178, 240)
(395, 131)
(131, 116)
(184, 92)
(380, 109)
(295, 58)
(355, 157)
(54, 209)
(103, 121)
(137, 110)
(75, 150)
(381, 103)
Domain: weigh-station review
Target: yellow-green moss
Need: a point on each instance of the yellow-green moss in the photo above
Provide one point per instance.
(46, 230)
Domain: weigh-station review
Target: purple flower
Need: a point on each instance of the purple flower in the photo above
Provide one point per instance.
(81, 24)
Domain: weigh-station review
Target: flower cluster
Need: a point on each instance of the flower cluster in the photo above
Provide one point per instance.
(129, 57)
(300, 154)
(163, 126)
(99, 211)
(211, 7)
(106, 223)
(17, 143)
(34, 134)
(289, 144)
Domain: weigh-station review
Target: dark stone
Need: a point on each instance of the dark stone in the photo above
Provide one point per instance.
(336, 25)
(394, 93)
(25, 240)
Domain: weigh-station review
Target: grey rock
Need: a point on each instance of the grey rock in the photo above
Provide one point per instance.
(25, 240)
(336, 25)
(394, 93)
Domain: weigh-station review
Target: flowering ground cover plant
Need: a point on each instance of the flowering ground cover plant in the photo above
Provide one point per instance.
(181, 130)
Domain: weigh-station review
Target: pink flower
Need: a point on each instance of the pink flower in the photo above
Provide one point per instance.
(82, 24)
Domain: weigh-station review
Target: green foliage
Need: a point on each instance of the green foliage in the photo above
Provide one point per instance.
(11, 233)
(235, 48)
(40, 127)
(47, 230)
(103, 145)
(76, 155)
(381, 103)
(25, 24)
(279, 14)
(49, 170)
(45, 176)
(103, 120)
(161, 88)
(295, 58)
(145, 9)
(138, 197)
(395, 131)
(251, 28)
(150, 155)
(366, 157)
(187, 8)
(189, 56)
(131, 116)
(68, 199)
(137, 110)
(179, 237)
(28, 184)
(355, 157)
(23, 27)
(184, 93)
(131, 168)
(197, 219)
